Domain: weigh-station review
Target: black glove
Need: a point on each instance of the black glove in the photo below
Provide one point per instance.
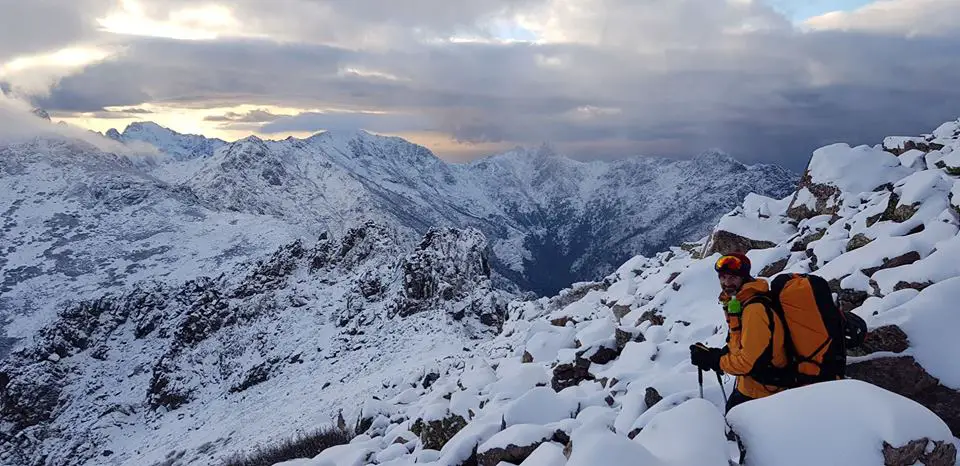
(705, 358)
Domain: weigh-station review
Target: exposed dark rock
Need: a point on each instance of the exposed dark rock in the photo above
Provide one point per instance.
(913, 285)
(922, 146)
(623, 337)
(917, 229)
(651, 397)
(888, 338)
(943, 454)
(570, 375)
(166, 387)
(725, 242)
(673, 276)
(634, 433)
(560, 437)
(849, 300)
(363, 425)
(915, 452)
(273, 272)
(653, 316)
(814, 260)
(896, 212)
(620, 311)
(514, 454)
(899, 261)
(435, 434)
(31, 395)
(858, 241)
(774, 268)
(527, 357)
(562, 321)
(429, 379)
(256, 375)
(802, 243)
(604, 355)
(824, 194)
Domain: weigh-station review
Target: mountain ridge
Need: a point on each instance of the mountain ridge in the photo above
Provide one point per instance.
(516, 197)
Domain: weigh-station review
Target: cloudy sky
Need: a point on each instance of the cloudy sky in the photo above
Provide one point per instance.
(766, 80)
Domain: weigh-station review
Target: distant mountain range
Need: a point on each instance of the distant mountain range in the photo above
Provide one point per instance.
(80, 220)
(551, 220)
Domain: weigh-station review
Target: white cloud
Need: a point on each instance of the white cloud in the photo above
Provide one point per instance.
(906, 17)
(35, 74)
(195, 22)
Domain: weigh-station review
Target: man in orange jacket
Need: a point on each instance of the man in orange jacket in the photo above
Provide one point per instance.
(755, 340)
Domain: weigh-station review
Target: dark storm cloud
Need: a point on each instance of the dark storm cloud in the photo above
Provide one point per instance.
(253, 116)
(348, 121)
(665, 75)
(134, 110)
(35, 26)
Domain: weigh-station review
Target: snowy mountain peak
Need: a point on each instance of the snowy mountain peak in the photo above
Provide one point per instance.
(147, 127)
(716, 156)
(180, 146)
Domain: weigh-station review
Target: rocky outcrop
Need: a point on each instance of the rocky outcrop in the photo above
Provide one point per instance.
(512, 453)
(909, 144)
(889, 338)
(622, 337)
(571, 374)
(651, 397)
(270, 274)
(450, 266)
(899, 261)
(858, 241)
(725, 242)
(923, 451)
(198, 339)
(774, 268)
(435, 434)
(897, 212)
(653, 316)
(802, 243)
(825, 197)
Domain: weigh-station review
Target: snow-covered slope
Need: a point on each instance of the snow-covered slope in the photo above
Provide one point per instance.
(82, 217)
(196, 370)
(551, 220)
(600, 374)
(79, 222)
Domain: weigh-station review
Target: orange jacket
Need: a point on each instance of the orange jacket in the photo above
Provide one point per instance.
(749, 341)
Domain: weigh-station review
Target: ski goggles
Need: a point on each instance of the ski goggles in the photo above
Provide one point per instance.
(731, 264)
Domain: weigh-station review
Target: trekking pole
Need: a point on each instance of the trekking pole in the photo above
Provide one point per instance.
(723, 390)
(700, 377)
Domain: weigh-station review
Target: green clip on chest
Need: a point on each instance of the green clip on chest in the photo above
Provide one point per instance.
(734, 307)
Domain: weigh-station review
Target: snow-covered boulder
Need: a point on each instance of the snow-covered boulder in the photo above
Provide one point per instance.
(513, 445)
(852, 421)
(751, 227)
(838, 169)
(898, 145)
